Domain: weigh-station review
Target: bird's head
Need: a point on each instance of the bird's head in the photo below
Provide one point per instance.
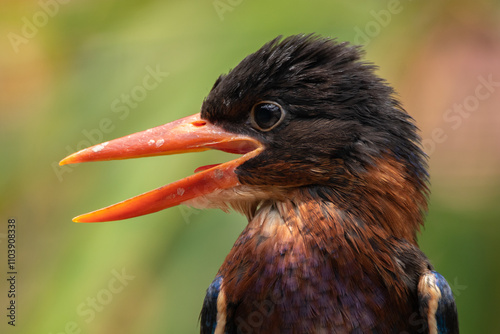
(307, 116)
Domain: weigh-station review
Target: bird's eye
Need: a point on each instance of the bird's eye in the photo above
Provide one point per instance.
(266, 115)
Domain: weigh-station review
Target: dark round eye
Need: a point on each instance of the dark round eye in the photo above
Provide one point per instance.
(266, 115)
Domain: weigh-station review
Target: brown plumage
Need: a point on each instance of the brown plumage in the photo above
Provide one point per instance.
(308, 255)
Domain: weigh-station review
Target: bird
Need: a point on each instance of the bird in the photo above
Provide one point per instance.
(333, 181)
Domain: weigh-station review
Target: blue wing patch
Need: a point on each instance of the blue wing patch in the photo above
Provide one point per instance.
(437, 304)
(208, 314)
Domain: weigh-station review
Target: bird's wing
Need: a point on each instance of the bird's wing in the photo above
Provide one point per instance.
(437, 304)
(208, 314)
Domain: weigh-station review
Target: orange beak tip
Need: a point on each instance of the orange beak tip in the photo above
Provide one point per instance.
(77, 219)
(68, 160)
(63, 162)
(88, 218)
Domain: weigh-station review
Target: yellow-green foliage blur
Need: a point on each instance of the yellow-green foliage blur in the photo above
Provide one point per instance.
(75, 73)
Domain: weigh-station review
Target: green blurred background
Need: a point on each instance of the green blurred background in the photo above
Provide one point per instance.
(65, 67)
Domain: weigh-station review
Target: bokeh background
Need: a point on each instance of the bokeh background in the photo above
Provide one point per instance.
(66, 69)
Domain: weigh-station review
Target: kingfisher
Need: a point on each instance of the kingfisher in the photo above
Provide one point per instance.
(330, 174)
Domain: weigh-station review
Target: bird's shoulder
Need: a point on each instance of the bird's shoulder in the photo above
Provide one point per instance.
(437, 304)
(208, 316)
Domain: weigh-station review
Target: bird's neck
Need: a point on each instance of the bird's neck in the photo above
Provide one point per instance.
(306, 239)
(385, 197)
(388, 195)
(329, 249)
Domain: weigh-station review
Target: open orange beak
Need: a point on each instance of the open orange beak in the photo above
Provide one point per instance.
(188, 134)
